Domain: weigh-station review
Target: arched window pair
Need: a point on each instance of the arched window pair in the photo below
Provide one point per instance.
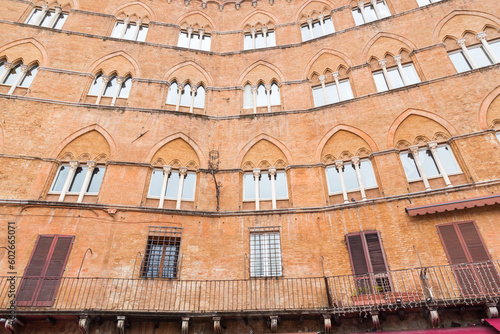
(403, 74)
(110, 86)
(259, 38)
(483, 53)
(17, 75)
(186, 95)
(261, 96)
(133, 31)
(333, 88)
(47, 17)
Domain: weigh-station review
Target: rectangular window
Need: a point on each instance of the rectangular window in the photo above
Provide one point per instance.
(265, 187)
(265, 252)
(369, 13)
(78, 178)
(350, 177)
(131, 32)
(45, 268)
(49, 19)
(478, 56)
(368, 262)
(332, 93)
(319, 28)
(161, 257)
(259, 40)
(173, 184)
(395, 77)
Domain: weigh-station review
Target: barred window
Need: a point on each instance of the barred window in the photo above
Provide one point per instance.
(161, 257)
(265, 252)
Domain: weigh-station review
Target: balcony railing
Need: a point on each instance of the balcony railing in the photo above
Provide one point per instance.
(472, 283)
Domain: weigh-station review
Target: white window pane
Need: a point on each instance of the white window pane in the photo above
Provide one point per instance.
(265, 186)
(281, 185)
(172, 94)
(78, 178)
(380, 81)
(317, 31)
(12, 76)
(248, 187)
(448, 161)
(96, 86)
(423, 2)
(60, 20)
(156, 183)
(367, 174)
(125, 88)
(189, 186)
(62, 175)
(143, 31)
(183, 39)
(129, 32)
(96, 180)
(370, 13)
(29, 76)
(110, 87)
(117, 30)
(47, 18)
(395, 77)
(409, 166)
(247, 42)
(247, 97)
(2, 67)
(479, 56)
(460, 62)
(205, 44)
(358, 18)
(333, 177)
(34, 16)
(345, 90)
(259, 41)
(318, 96)
(275, 95)
(271, 39)
(194, 43)
(428, 163)
(199, 99)
(304, 30)
(350, 178)
(328, 24)
(495, 45)
(384, 10)
(172, 185)
(186, 96)
(331, 93)
(498, 136)
(261, 96)
(411, 74)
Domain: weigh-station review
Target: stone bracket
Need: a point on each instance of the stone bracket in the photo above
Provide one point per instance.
(84, 324)
(491, 310)
(376, 321)
(327, 318)
(434, 317)
(120, 325)
(273, 323)
(217, 327)
(10, 325)
(185, 325)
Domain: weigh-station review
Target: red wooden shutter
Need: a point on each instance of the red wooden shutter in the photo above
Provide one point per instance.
(44, 271)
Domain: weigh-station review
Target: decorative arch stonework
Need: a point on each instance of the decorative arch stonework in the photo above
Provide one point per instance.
(263, 150)
(26, 50)
(357, 143)
(325, 59)
(393, 43)
(120, 62)
(77, 142)
(65, 5)
(189, 71)
(260, 70)
(258, 19)
(196, 19)
(469, 20)
(177, 149)
(489, 111)
(313, 6)
(134, 11)
(414, 127)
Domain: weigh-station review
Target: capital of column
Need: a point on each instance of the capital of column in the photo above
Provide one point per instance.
(24, 68)
(265, 29)
(432, 145)
(8, 65)
(320, 17)
(335, 75)
(481, 36)
(361, 4)
(183, 170)
(461, 42)
(397, 58)
(355, 161)
(339, 164)
(74, 164)
(256, 172)
(120, 80)
(254, 88)
(190, 30)
(309, 20)
(322, 78)
(180, 87)
(254, 3)
(382, 63)
(413, 149)
(58, 9)
(91, 165)
(45, 7)
(126, 20)
(167, 170)
(267, 87)
(105, 78)
(373, 2)
(272, 171)
(201, 32)
(252, 30)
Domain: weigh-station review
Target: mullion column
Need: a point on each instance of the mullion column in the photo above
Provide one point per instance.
(182, 176)
(90, 169)
(166, 174)
(340, 167)
(433, 147)
(461, 43)
(382, 64)
(482, 38)
(105, 80)
(414, 151)
(397, 58)
(6, 70)
(256, 176)
(22, 74)
(73, 165)
(355, 162)
(272, 175)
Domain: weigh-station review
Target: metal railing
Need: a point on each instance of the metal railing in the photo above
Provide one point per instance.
(440, 285)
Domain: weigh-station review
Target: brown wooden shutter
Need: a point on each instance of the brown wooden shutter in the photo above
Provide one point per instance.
(451, 243)
(473, 242)
(376, 253)
(44, 271)
(357, 254)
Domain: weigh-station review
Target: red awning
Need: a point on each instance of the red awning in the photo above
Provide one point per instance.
(494, 322)
(453, 205)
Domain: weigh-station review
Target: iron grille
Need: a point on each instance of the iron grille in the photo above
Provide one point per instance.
(265, 252)
(161, 256)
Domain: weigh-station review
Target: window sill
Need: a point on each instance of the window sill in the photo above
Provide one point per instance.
(434, 177)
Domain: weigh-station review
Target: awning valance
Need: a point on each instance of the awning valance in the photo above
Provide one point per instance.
(453, 205)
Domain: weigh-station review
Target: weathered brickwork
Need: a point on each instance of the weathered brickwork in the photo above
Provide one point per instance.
(55, 122)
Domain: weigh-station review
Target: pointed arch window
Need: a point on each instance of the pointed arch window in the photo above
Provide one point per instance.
(265, 185)
(114, 87)
(475, 56)
(186, 95)
(314, 28)
(258, 39)
(133, 31)
(331, 91)
(262, 95)
(198, 40)
(395, 77)
(47, 17)
(172, 184)
(372, 11)
(17, 75)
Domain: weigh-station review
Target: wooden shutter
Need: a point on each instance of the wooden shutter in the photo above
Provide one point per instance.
(357, 254)
(44, 271)
(376, 253)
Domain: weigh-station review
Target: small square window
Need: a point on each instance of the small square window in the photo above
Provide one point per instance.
(161, 257)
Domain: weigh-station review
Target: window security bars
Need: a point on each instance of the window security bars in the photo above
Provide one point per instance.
(161, 257)
(265, 252)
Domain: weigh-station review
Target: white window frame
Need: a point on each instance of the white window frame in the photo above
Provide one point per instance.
(485, 46)
(268, 37)
(108, 80)
(399, 68)
(179, 95)
(183, 172)
(44, 11)
(339, 166)
(422, 3)
(135, 27)
(337, 83)
(269, 89)
(262, 241)
(19, 78)
(73, 165)
(432, 147)
(272, 174)
(374, 5)
(310, 22)
(203, 38)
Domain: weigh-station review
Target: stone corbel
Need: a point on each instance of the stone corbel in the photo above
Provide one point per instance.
(120, 325)
(204, 5)
(10, 325)
(491, 310)
(84, 324)
(185, 325)
(327, 318)
(254, 3)
(376, 321)
(217, 327)
(273, 323)
(434, 317)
